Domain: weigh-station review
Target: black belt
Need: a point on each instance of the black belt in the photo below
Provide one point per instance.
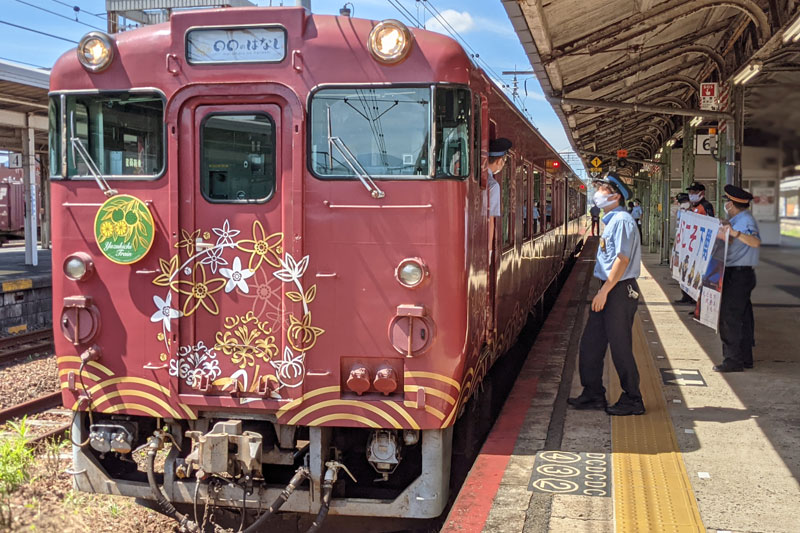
(739, 268)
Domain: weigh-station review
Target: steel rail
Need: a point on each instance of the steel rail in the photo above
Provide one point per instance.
(37, 405)
(25, 344)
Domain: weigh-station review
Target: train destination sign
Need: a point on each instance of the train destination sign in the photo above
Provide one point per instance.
(236, 45)
(124, 229)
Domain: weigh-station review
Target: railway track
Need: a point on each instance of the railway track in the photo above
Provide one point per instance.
(24, 344)
(44, 429)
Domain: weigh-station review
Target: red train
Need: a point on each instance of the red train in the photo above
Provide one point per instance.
(274, 237)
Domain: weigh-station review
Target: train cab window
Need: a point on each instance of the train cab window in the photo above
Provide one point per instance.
(384, 132)
(538, 221)
(123, 134)
(238, 158)
(506, 206)
(452, 132)
(53, 138)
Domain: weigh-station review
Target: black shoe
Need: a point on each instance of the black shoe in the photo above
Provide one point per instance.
(727, 367)
(583, 402)
(748, 365)
(692, 311)
(684, 301)
(625, 406)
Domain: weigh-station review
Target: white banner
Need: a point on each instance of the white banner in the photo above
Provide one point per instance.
(698, 263)
(692, 251)
(236, 45)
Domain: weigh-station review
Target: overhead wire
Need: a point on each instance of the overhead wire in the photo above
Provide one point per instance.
(24, 63)
(37, 31)
(58, 14)
(409, 16)
(436, 14)
(77, 9)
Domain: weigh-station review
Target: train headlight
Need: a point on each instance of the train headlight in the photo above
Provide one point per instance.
(78, 266)
(390, 41)
(411, 272)
(95, 51)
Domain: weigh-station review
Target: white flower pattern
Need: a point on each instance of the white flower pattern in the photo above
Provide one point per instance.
(225, 235)
(165, 312)
(195, 360)
(237, 278)
(290, 370)
(213, 258)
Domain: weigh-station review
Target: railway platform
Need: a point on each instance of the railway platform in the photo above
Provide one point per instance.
(25, 291)
(714, 452)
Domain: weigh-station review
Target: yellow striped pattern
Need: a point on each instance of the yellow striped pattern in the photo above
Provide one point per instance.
(652, 491)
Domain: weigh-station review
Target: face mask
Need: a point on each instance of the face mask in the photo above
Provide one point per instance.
(694, 198)
(601, 200)
(727, 210)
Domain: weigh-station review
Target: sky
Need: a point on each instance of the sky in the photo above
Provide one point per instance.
(483, 24)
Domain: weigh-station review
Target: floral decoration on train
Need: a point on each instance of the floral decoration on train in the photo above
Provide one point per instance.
(202, 274)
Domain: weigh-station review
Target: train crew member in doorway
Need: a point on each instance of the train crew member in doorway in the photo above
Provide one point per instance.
(614, 307)
(736, 325)
(637, 213)
(536, 217)
(498, 149)
(697, 197)
(595, 212)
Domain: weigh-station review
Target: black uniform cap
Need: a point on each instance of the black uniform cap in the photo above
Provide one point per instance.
(696, 186)
(499, 147)
(737, 194)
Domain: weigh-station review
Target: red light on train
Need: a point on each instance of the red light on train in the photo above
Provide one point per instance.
(553, 164)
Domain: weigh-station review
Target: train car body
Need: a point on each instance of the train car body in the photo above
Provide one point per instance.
(270, 300)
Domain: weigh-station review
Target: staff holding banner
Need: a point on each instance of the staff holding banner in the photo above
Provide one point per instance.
(736, 324)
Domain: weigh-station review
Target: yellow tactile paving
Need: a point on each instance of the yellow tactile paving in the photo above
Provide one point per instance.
(652, 491)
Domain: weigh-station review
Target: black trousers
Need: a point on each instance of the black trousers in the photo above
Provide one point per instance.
(611, 326)
(736, 325)
(595, 226)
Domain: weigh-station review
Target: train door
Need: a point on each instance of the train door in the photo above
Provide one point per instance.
(232, 268)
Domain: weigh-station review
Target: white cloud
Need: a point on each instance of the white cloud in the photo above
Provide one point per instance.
(461, 22)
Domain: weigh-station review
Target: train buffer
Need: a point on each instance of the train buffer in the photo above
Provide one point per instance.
(714, 452)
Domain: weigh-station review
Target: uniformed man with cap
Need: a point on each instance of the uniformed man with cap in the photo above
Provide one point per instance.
(614, 307)
(498, 148)
(697, 196)
(736, 325)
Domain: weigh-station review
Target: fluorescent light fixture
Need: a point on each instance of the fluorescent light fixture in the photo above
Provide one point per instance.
(792, 33)
(747, 73)
(671, 143)
(696, 121)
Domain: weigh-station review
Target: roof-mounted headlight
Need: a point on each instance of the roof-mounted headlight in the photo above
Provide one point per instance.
(95, 51)
(390, 41)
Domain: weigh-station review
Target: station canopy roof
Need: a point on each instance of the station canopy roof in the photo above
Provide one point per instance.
(657, 53)
(23, 101)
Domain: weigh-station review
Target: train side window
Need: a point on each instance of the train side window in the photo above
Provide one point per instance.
(476, 120)
(526, 211)
(548, 203)
(453, 111)
(506, 207)
(237, 158)
(537, 194)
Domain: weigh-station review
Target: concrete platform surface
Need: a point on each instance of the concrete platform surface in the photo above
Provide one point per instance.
(738, 434)
(13, 267)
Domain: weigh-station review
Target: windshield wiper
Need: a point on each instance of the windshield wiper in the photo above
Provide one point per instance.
(94, 170)
(351, 161)
(356, 167)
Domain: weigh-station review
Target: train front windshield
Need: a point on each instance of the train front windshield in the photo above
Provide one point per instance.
(388, 132)
(122, 132)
